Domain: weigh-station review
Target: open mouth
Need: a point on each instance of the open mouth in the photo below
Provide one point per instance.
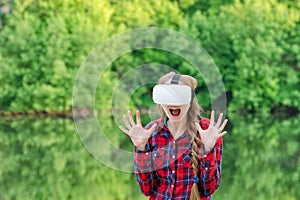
(175, 112)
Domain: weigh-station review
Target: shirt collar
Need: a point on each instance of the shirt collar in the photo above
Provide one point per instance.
(165, 122)
(166, 131)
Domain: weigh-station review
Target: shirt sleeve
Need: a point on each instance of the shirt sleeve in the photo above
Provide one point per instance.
(143, 166)
(210, 169)
(143, 170)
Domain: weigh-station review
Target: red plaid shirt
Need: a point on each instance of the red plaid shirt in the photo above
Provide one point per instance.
(164, 169)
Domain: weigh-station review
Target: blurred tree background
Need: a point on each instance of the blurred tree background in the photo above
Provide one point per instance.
(255, 44)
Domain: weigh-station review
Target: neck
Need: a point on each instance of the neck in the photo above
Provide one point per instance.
(177, 128)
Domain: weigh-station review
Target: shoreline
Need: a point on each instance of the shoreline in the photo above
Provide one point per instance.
(77, 113)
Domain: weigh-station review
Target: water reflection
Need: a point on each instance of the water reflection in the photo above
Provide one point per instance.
(261, 159)
(45, 159)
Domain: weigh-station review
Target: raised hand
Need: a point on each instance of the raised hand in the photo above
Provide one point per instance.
(213, 132)
(138, 135)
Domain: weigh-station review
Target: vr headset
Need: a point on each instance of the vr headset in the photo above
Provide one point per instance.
(172, 94)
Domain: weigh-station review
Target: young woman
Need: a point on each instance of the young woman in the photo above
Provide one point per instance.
(179, 155)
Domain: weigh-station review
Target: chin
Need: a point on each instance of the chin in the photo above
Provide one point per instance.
(175, 118)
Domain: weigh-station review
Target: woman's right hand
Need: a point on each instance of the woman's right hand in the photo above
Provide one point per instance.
(138, 135)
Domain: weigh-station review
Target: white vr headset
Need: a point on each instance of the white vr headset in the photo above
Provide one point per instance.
(172, 94)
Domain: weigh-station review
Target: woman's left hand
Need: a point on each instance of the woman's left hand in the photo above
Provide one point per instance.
(213, 132)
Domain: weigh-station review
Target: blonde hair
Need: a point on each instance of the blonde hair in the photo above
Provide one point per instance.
(192, 117)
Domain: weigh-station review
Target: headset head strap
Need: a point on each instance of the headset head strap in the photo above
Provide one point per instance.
(175, 79)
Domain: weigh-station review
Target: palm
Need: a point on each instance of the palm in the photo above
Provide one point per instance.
(138, 135)
(214, 131)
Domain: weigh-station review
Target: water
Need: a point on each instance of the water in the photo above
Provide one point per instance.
(43, 158)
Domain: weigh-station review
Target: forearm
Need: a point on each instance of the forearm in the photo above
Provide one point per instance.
(210, 169)
(143, 171)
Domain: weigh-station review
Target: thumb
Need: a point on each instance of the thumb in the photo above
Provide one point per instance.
(200, 130)
(152, 128)
(222, 134)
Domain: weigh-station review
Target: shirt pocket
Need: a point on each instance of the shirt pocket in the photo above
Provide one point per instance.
(160, 159)
(161, 163)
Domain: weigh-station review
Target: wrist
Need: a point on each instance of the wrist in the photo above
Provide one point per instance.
(140, 148)
(206, 149)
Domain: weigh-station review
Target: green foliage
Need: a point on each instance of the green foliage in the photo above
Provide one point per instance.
(43, 45)
(139, 13)
(210, 7)
(255, 45)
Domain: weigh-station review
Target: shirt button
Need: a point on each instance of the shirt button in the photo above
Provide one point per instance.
(172, 186)
(147, 153)
(204, 156)
(173, 171)
(173, 156)
(206, 168)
